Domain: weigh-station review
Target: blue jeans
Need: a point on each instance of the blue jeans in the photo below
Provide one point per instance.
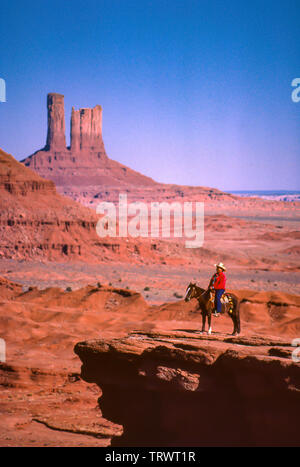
(218, 304)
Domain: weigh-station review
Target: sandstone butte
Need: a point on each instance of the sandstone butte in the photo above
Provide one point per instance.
(85, 163)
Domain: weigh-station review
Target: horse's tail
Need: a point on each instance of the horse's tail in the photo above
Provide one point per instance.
(234, 311)
(237, 313)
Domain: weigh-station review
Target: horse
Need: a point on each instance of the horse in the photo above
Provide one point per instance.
(205, 299)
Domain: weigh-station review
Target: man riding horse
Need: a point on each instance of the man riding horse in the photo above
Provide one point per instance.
(210, 299)
(217, 283)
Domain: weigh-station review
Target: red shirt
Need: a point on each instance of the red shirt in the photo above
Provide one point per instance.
(219, 280)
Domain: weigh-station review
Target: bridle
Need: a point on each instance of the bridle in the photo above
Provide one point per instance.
(193, 287)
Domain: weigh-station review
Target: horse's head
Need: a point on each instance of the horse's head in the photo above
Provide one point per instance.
(190, 292)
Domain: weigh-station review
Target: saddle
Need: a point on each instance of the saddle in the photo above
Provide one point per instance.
(226, 300)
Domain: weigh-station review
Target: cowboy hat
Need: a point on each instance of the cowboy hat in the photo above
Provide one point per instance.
(221, 265)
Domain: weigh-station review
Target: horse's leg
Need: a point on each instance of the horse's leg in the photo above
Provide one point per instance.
(234, 332)
(233, 317)
(237, 314)
(203, 321)
(236, 319)
(209, 322)
(203, 311)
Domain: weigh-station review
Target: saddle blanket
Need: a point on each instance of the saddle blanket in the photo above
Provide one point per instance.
(225, 299)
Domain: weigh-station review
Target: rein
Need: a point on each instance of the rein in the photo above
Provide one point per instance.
(203, 293)
(200, 295)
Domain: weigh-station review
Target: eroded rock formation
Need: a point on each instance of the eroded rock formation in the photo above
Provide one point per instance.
(85, 163)
(20, 181)
(180, 389)
(75, 130)
(56, 139)
(35, 221)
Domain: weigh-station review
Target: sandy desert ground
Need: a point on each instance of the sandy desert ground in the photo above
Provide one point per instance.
(44, 402)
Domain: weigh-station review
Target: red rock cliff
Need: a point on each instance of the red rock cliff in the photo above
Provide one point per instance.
(173, 389)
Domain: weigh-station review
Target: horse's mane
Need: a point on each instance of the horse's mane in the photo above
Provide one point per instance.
(199, 289)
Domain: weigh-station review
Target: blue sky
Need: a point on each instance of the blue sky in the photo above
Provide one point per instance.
(193, 92)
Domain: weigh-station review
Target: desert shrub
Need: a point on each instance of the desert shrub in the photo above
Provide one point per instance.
(177, 295)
